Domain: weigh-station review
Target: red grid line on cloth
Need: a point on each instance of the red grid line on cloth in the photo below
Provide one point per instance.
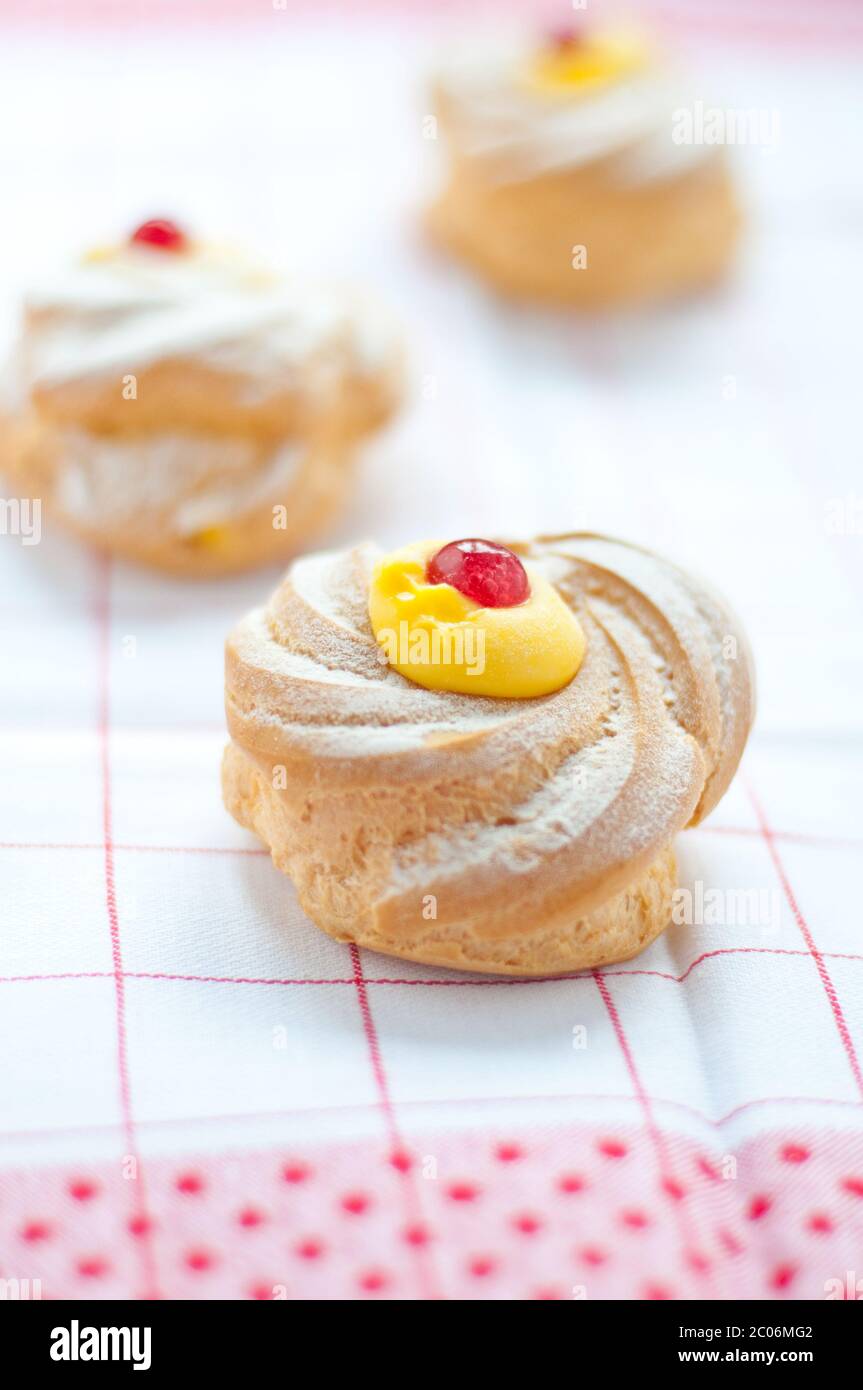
(817, 956)
(498, 982)
(671, 1185)
(375, 1058)
(139, 1191)
(399, 1157)
(453, 1102)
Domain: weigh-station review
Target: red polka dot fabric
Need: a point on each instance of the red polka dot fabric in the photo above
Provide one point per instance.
(585, 1213)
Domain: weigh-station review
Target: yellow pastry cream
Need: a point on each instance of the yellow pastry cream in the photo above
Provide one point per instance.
(574, 61)
(214, 538)
(520, 641)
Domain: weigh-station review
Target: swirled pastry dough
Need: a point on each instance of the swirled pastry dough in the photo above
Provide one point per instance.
(515, 836)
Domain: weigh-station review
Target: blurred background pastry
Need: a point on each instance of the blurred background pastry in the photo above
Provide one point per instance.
(180, 405)
(573, 177)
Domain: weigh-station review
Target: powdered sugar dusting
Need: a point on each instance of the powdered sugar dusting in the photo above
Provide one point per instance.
(135, 307)
(185, 482)
(600, 775)
(511, 133)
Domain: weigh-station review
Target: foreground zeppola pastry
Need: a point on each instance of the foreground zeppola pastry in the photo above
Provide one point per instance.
(478, 755)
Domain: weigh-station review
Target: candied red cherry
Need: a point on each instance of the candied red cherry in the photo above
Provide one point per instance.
(488, 573)
(564, 39)
(161, 233)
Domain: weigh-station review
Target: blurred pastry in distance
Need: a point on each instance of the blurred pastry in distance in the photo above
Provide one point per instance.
(180, 405)
(478, 755)
(569, 182)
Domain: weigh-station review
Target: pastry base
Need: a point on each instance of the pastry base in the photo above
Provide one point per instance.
(336, 885)
(644, 242)
(33, 461)
(73, 427)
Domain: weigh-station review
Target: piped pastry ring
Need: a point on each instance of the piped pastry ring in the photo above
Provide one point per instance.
(528, 835)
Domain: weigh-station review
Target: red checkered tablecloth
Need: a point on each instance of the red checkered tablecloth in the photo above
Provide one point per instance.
(203, 1096)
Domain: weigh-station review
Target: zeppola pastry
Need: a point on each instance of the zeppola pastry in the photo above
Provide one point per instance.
(570, 179)
(185, 408)
(478, 755)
